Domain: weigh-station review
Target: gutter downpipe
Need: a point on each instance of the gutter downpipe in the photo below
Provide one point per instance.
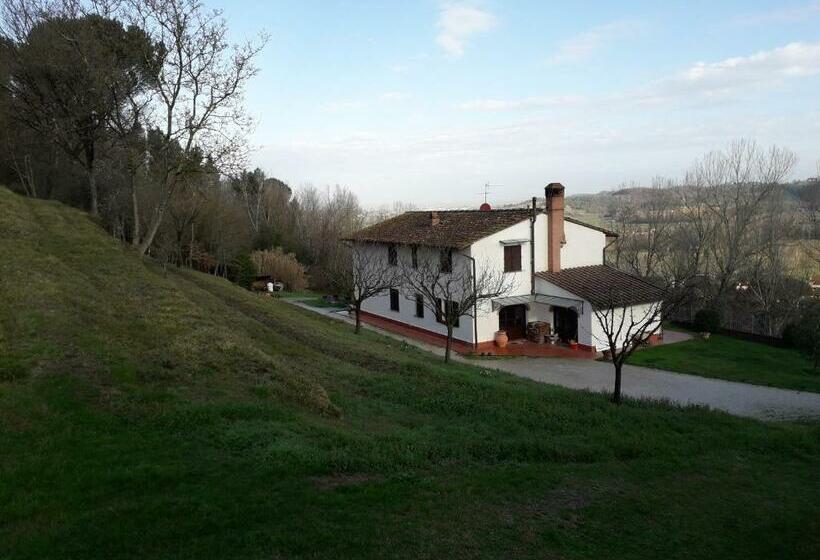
(532, 246)
(475, 309)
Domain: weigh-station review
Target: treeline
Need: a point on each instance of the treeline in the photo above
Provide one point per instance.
(133, 110)
(744, 243)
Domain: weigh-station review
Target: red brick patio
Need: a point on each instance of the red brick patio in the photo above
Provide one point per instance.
(513, 348)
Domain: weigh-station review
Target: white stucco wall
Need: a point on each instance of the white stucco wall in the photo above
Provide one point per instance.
(585, 336)
(590, 332)
(380, 304)
(489, 252)
(638, 313)
(584, 246)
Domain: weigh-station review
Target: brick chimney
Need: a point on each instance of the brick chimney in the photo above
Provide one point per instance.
(554, 193)
(434, 220)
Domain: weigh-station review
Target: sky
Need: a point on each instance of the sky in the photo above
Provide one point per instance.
(426, 101)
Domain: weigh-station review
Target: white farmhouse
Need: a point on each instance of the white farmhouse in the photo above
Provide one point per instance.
(556, 265)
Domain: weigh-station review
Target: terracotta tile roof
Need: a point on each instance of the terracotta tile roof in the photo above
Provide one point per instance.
(602, 285)
(456, 228)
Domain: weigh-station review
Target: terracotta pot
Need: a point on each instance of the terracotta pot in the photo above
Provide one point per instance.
(501, 338)
(573, 345)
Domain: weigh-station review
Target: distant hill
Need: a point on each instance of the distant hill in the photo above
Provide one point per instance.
(598, 208)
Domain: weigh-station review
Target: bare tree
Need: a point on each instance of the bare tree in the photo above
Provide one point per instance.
(250, 187)
(774, 283)
(198, 94)
(811, 202)
(735, 185)
(627, 327)
(645, 222)
(625, 330)
(126, 124)
(450, 286)
(368, 275)
(322, 218)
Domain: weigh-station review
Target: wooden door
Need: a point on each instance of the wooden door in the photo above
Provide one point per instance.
(566, 324)
(513, 320)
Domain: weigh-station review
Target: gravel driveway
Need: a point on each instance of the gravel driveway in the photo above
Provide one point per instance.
(741, 399)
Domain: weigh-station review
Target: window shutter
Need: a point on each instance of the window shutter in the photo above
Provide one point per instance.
(512, 258)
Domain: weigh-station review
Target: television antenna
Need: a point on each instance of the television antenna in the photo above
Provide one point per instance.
(486, 190)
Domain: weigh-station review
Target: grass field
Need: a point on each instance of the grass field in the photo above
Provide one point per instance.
(146, 414)
(725, 357)
(320, 302)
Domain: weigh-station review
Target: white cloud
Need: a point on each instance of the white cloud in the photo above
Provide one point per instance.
(713, 82)
(589, 42)
(591, 143)
(792, 14)
(343, 105)
(394, 96)
(516, 104)
(445, 166)
(458, 22)
(732, 76)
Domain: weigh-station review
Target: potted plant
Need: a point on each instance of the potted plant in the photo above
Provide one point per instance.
(573, 344)
(501, 338)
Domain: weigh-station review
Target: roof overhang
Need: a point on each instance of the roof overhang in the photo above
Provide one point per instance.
(514, 241)
(544, 299)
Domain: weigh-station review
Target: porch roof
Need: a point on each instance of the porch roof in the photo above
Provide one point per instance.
(604, 286)
(545, 299)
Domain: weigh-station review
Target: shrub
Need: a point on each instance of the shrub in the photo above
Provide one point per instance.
(791, 335)
(804, 334)
(707, 320)
(281, 267)
(245, 271)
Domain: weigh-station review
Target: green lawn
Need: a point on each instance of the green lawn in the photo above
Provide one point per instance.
(303, 294)
(733, 359)
(152, 414)
(319, 302)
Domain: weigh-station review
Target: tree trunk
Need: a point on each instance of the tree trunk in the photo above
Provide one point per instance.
(449, 344)
(191, 248)
(153, 228)
(135, 232)
(358, 317)
(616, 395)
(92, 190)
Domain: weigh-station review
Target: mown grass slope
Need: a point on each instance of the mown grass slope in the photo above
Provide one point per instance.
(147, 413)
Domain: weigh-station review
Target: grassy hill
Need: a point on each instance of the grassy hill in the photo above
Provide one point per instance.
(147, 413)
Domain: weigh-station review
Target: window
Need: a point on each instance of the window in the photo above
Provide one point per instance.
(394, 300)
(392, 255)
(414, 254)
(444, 306)
(419, 306)
(512, 258)
(446, 260)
